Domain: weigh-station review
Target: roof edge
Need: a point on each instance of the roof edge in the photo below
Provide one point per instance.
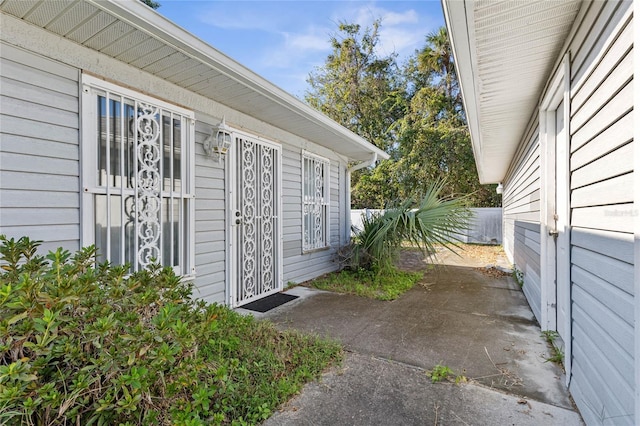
(456, 11)
(141, 16)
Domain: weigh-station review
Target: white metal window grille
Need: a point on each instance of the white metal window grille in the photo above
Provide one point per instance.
(315, 201)
(139, 183)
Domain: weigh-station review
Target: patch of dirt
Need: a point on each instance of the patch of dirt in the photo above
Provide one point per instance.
(472, 255)
(492, 272)
(412, 260)
(487, 254)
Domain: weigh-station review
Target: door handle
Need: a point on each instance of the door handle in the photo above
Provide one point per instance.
(553, 233)
(238, 217)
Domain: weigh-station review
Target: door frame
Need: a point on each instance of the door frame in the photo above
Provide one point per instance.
(231, 175)
(558, 90)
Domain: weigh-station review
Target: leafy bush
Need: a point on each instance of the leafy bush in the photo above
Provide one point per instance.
(85, 344)
(430, 222)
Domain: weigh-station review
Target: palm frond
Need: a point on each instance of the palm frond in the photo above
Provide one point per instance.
(431, 222)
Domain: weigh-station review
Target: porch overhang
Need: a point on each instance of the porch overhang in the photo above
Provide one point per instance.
(504, 53)
(135, 34)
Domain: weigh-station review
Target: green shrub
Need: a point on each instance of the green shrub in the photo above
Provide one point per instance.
(85, 344)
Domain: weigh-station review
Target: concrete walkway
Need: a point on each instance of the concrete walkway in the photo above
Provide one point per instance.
(460, 316)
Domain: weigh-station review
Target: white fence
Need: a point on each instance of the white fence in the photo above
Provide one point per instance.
(485, 227)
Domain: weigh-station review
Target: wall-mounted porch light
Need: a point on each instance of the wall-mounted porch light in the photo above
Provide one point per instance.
(499, 188)
(217, 144)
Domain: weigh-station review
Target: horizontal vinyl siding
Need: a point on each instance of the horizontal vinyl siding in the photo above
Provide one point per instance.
(39, 155)
(521, 216)
(602, 196)
(298, 266)
(210, 237)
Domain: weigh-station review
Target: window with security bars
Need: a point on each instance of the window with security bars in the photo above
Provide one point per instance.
(315, 202)
(138, 174)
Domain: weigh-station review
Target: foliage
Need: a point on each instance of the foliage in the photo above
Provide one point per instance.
(85, 344)
(358, 88)
(518, 275)
(383, 285)
(433, 221)
(557, 354)
(151, 3)
(439, 373)
(443, 372)
(373, 188)
(434, 140)
(364, 92)
(414, 112)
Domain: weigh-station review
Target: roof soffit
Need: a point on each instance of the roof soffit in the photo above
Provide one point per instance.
(504, 53)
(135, 34)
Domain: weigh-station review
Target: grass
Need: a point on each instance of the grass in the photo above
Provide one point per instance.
(557, 354)
(270, 365)
(387, 284)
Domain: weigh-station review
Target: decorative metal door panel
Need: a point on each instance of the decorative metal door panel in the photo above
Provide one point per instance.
(255, 220)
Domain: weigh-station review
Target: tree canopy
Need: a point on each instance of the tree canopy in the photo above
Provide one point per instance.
(151, 3)
(413, 111)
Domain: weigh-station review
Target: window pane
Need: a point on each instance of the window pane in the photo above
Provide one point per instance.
(177, 236)
(102, 140)
(102, 227)
(177, 155)
(129, 154)
(166, 153)
(171, 232)
(129, 230)
(115, 133)
(116, 230)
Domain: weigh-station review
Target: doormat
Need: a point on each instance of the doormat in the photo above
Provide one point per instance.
(267, 303)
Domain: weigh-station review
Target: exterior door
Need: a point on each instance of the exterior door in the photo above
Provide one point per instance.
(255, 220)
(562, 229)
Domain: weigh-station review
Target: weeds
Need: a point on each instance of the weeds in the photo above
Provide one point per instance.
(388, 284)
(442, 372)
(439, 373)
(557, 354)
(518, 275)
(87, 344)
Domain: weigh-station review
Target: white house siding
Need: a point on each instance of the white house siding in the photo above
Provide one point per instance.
(299, 266)
(210, 237)
(39, 156)
(521, 216)
(39, 166)
(602, 196)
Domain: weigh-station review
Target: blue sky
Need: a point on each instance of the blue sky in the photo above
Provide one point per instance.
(284, 41)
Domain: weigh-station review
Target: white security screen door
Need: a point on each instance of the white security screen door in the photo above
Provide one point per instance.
(255, 219)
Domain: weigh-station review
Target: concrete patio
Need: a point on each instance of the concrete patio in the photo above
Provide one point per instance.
(461, 315)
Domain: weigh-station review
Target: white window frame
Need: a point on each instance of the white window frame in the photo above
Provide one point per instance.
(93, 87)
(319, 204)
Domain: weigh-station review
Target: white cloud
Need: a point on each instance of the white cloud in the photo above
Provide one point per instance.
(399, 40)
(307, 42)
(393, 18)
(242, 18)
(287, 40)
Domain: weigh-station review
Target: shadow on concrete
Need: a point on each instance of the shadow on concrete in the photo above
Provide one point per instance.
(461, 315)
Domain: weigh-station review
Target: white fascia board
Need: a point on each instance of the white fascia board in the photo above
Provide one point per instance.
(146, 19)
(458, 16)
